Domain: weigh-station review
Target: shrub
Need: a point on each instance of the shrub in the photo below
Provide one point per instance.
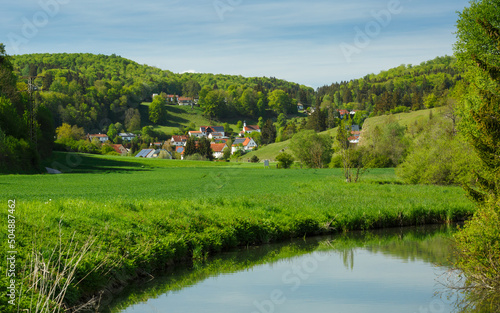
(254, 159)
(195, 157)
(478, 248)
(285, 160)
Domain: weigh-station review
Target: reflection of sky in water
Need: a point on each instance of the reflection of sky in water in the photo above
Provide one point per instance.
(318, 282)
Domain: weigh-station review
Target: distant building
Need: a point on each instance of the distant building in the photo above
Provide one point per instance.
(248, 129)
(178, 140)
(218, 149)
(102, 137)
(243, 144)
(127, 136)
(185, 101)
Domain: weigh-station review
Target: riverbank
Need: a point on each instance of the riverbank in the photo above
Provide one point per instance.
(141, 221)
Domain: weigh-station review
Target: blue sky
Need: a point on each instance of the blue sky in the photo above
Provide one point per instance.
(314, 42)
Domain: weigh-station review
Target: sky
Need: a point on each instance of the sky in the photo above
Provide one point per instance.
(313, 42)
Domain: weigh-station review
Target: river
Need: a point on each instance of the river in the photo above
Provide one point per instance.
(390, 270)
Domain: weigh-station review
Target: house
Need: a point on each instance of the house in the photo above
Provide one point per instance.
(247, 129)
(185, 101)
(127, 136)
(212, 129)
(354, 138)
(218, 149)
(206, 131)
(243, 144)
(171, 99)
(120, 149)
(145, 153)
(216, 136)
(196, 133)
(102, 138)
(157, 144)
(153, 153)
(178, 140)
(343, 113)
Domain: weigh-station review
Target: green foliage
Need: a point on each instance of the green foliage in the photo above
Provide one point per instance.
(405, 85)
(312, 149)
(112, 131)
(84, 89)
(254, 159)
(190, 147)
(386, 143)
(204, 148)
(478, 249)
(280, 102)
(438, 156)
(157, 112)
(268, 132)
(477, 49)
(285, 160)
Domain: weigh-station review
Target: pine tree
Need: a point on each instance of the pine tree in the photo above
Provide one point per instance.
(485, 133)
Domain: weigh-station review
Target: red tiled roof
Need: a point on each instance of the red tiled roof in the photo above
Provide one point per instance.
(119, 148)
(251, 127)
(177, 138)
(217, 147)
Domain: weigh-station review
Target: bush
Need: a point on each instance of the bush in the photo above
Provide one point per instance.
(478, 248)
(437, 156)
(195, 157)
(312, 149)
(285, 160)
(254, 159)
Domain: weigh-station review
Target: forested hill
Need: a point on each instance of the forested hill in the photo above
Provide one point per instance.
(93, 90)
(402, 88)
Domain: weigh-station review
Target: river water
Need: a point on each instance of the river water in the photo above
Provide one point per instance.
(392, 270)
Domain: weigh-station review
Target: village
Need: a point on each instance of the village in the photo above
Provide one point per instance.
(220, 140)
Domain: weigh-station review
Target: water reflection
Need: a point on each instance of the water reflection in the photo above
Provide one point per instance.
(392, 270)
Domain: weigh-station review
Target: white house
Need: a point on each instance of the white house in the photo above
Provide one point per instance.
(206, 131)
(243, 144)
(178, 140)
(196, 133)
(127, 136)
(185, 101)
(247, 129)
(218, 149)
(216, 136)
(102, 137)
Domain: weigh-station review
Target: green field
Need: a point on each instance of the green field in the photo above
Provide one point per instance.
(148, 214)
(178, 116)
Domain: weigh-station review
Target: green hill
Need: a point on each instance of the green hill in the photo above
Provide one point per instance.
(92, 91)
(270, 151)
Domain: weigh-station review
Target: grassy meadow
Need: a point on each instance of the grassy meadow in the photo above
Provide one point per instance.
(143, 215)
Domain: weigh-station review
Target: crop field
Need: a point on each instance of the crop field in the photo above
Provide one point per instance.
(143, 215)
